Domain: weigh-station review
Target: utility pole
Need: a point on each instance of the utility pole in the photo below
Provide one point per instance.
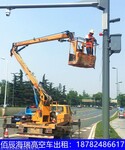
(105, 75)
(111, 44)
(5, 93)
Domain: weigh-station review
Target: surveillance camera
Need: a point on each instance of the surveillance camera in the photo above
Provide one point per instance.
(8, 12)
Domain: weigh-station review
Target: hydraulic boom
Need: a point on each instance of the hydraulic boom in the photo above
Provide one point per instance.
(42, 115)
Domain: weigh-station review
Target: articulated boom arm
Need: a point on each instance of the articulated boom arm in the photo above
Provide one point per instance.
(32, 78)
(15, 49)
(59, 37)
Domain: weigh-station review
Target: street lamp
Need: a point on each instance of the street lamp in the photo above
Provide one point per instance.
(117, 89)
(5, 93)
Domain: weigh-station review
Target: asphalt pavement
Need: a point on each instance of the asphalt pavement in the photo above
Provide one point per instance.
(117, 124)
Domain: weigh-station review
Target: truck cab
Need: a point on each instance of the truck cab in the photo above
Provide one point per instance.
(63, 113)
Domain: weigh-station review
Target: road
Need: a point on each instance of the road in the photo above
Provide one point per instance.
(88, 117)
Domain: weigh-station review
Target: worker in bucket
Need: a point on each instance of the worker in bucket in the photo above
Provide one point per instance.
(90, 41)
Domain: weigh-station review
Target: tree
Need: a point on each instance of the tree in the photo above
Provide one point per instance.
(85, 95)
(57, 93)
(72, 98)
(2, 91)
(121, 100)
(98, 98)
(20, 93)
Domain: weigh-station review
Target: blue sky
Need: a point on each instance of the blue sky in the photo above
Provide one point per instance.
(51, 58)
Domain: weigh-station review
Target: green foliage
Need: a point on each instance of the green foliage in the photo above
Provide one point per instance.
(20, 93)
(72, 98)
(2, 89)
(98, 99)
(121, 100)
(99, 133)
(85, 95)
(99, 130)
(57, 93)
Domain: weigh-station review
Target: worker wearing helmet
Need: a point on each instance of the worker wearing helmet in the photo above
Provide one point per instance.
(90, 40)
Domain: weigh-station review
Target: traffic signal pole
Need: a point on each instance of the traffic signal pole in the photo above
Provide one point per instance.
(106, 71)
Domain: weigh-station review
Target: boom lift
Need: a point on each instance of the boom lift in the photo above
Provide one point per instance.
(44, 123)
